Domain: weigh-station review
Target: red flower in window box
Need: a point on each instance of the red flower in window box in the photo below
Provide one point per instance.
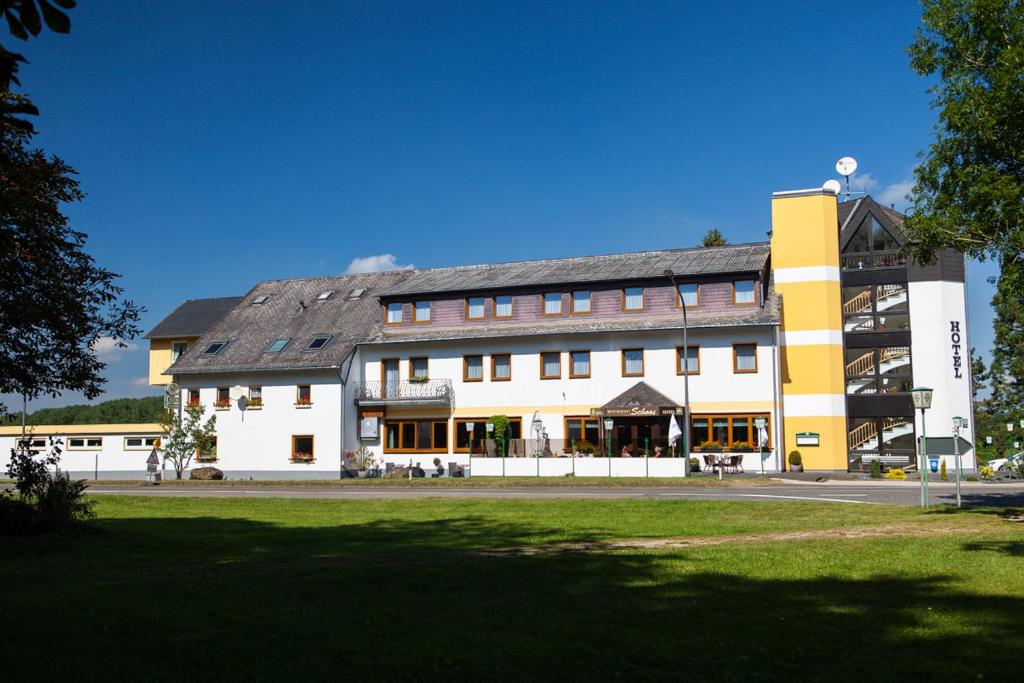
(193, 403)
(303, 402)
(302, 457)
(222, 403)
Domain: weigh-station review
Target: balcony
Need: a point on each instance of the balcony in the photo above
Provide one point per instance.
(434, 392)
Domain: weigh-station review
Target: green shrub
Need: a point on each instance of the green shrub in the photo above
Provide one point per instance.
(795, 458)
(971, 478)
(500, 433)
(942, 470)
(876, 469)
(986, 472)
(694, 465)
(62, 503)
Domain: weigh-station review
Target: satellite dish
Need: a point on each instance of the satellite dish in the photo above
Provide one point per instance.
(237, 392)
(243, 402)
(832, 186)
(846, 166)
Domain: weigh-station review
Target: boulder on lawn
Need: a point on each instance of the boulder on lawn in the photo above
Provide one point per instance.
(206, 474)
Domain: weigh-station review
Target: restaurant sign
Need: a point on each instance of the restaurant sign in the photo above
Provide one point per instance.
(632, 411)
(808, 439)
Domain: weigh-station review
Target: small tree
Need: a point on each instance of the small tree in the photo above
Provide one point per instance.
(714, 238)
(500, 423)
(184, 435)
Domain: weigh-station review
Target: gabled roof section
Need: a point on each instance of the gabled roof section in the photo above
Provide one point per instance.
(292, 311)
(738, 258)
(890, 219)
(640, 395)
(193, 318)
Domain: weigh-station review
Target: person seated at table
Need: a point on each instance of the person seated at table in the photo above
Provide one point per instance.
(626, 451)
(659, 451)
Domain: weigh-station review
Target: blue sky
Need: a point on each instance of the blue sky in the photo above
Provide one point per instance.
(221, 143)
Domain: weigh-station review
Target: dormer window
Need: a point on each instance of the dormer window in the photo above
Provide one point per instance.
(394, 314)
(214, 348)
(475, 308)
(421, 312)
(552, 303)
(581, 302)
(744, 292)
(689, 295)
(260, 300)
(318, 343)
(324, 296)
(277, 345)
(503, 306)
(633, 299)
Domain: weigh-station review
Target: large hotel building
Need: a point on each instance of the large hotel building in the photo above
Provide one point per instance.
(820, 332)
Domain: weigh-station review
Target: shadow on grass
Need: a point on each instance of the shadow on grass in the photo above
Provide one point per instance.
(1012, 548)
(228, 598)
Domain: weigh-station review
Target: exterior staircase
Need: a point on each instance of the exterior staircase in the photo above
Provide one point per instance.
(889, 297)
(891, 429)
(863, 367)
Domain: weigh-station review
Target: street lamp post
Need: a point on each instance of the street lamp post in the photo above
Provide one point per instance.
(958, 422)
(685, 361)
(923, 401)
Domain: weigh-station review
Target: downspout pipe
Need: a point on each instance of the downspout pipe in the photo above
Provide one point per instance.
(343, 372)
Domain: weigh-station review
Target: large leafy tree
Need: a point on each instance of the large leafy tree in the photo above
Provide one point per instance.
(55, 301)
(969, 189)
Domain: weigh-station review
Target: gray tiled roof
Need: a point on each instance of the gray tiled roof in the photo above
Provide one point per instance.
(755, 316)
(582, 269)
(640, 394)
(193, 317)
(250, 328)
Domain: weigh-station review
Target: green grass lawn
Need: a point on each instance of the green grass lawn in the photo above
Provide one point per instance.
(272, 588)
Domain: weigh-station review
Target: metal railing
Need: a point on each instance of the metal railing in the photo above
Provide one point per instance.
(432, 391)
(873, 260)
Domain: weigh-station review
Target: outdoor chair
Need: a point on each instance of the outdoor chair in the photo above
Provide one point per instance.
(734, 463)
(455, 469)
(710, 463)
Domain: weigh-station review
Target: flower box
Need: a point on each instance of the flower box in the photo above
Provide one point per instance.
(221, 405)
(303, 403)
(302, 457)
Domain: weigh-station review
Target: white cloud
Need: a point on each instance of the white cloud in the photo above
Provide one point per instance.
(140, 381)
(375, 264)
(897, 193)
(865, 182)
(108, 351)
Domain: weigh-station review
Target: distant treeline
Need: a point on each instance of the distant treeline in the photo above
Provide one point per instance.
(123, 410)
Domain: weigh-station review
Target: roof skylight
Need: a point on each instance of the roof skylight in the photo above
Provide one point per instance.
(261, 299)
(214, 348)
(277, 345)
(356, 293)
(324, 296)
(317, 343)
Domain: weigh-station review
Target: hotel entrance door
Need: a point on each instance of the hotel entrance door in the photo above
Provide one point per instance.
(637, 433)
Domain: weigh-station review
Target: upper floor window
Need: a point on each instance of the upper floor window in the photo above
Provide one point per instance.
(475, 308)
(473, 368)
(581, 301)
(418, 369)
(317, 343)
(503, 306)
(871, 246)
(691, 365)
(193, 397)
(421, 312)
(744, 358)
(178, 349)
(551, 365)
(303, 395)
(633, 299)
(552, 303)
(394, 314)
(688, 295)
(744, 292)
(579, 364)
(255, 396)
(632, 362)
(223, 397)
(213, 348)
(501, 367)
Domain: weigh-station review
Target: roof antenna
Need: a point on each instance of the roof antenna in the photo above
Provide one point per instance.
(845, 167)
(302, 305)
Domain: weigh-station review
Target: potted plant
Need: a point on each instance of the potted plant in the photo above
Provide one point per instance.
(222, 404)
(303, 402)
(418, 379)
(361, 460)
(796, 462)
(254, 403)
(695, 464)
(710, 447)
(742, 447)
(302, 457)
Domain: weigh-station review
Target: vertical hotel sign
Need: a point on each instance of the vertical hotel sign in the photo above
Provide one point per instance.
(954, 338)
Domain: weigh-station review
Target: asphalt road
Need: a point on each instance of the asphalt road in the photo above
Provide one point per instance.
(996, 495)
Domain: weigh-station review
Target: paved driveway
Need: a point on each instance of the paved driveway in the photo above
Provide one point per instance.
(899, 493)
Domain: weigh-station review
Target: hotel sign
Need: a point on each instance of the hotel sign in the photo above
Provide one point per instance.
(954, 338)
(633, 411)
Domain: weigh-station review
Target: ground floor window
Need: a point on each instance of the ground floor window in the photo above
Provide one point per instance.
(889, 440)
(208, 454)
(727, 431)
(76, 443)
(302, 448)
(479, 440)
(582, 429)
(416, 436)
(140, 442)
